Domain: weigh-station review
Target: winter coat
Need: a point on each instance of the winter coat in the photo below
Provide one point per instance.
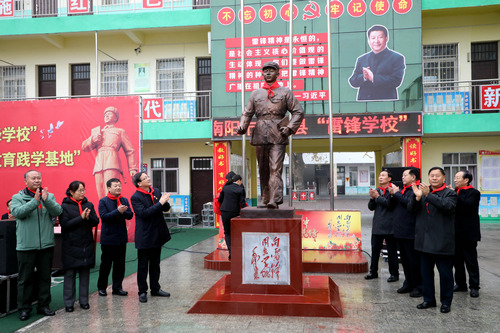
(467, 215)
(383, 216)
(114, 224)
(34, 226)
(77, 238)
(151, 230)
(435, 225)
(232, 198)
(404, 220)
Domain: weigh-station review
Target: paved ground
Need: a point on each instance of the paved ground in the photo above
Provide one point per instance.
(369, 306)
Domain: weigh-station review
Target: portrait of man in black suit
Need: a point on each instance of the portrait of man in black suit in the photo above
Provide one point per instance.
(378, 73)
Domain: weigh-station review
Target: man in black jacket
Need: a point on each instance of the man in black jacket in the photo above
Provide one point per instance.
(231, 199)
(114, 211)
(151, 232)
(404, 232)
(383, 204)
(435, 236)
(467, 233)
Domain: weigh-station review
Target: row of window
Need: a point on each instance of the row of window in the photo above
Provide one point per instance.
(114, 77)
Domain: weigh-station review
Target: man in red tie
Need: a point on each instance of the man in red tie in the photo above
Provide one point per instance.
(383, 203)
(467, 233)
(270, 134)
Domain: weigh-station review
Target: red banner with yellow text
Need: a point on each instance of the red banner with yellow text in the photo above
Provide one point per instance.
(67, 140)
(413, 152)
(221, 168)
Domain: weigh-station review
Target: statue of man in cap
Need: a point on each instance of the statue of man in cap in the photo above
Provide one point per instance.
(108, 141)
(270, 134)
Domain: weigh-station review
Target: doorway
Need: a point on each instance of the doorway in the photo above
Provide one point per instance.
(201, 183)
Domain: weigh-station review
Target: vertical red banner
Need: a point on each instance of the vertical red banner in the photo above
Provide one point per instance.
(413, 152)
(221, 168)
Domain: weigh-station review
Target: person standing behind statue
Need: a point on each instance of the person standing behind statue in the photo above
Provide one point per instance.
(114, 211)
(383, 204)
(34, 208)
(231, 199)
(272, 129)
(77, 221)
(435, 237)
(151, 232)
(404, 232)
(467, 233)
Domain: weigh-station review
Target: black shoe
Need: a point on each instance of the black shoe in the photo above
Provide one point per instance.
(160, 293)
(102, 292)
(415, 293)
(403, 290)
(445, 308)
(24, 315)
(371, 276)
(120, 292)
(85, 306)
(143, 298)
(393, 278)
(46, 312)
(459, 288)
(70, 309)
(474, 293)
(426, 305)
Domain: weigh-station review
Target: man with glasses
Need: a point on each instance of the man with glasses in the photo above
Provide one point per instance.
(151, 232)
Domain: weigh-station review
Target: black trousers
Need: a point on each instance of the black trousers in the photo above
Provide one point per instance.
(392, 253)
(27, 261)
(466, 253)
(226, 222)
(69, 289)
(148, 260)
(411, 263)
(112, 255)
(444, 264)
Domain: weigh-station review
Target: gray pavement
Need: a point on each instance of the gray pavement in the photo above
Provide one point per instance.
(369, 306)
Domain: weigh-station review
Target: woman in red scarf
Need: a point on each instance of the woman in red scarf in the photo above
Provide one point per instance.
(77, 220)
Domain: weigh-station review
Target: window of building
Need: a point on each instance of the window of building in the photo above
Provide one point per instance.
(201, 163)
(454, 162)
(372, 175)
(353, 176)
(114, 77)
(47, 81)
(12, 82)
(80, 79)
(170, 78)
(440, 66)
(165, 174)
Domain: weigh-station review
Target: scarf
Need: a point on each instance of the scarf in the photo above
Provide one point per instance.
(383, 189)
(115, 198)
(464, 188)
(417, 182)
(434, 191)
(79, 204)
(270, 89)
(150, 193)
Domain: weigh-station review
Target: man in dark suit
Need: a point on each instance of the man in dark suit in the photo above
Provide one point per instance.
(467, 233)
(114, 211)
(151, 232)
(378, 73)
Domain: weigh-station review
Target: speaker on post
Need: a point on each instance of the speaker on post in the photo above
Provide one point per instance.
(8, 254)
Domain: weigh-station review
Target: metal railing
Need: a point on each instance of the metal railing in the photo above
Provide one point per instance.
(53, 8)
(462, 96)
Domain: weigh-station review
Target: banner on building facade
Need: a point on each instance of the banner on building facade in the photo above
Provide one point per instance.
(85, 139)
(345, 125)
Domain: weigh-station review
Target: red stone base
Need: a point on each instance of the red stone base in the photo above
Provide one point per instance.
(319, 261)
(321, 298)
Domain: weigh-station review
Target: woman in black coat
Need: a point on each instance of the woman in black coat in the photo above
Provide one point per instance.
(77, 221)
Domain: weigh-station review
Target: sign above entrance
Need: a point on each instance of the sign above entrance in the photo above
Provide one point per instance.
(346, 125)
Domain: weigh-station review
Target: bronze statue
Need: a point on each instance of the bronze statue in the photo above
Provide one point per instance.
(270, 135)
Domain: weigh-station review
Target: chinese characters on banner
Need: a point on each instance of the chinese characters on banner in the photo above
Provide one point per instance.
(490, 97)
(327, 230)
(351, 125)
(309, 50)
(152, 108)
(78, 6)
(221, 168)
(265, 258)
(152, 3)
(50, 136)
(413, 152)
(313, 10)
(6, 8)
